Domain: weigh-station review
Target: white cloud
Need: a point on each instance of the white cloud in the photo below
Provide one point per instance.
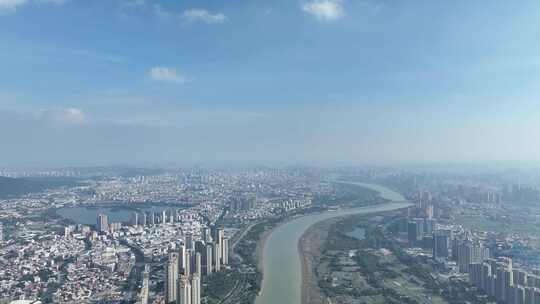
(53, 2)
(161, 13)
(324, 9)
(11, 4)
(194, 15)
(133, 3)
(165, 74)
(72, 116)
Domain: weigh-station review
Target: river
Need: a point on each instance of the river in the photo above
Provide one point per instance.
(282, 280)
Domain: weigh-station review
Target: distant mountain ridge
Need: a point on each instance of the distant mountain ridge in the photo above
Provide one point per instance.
(13, 187)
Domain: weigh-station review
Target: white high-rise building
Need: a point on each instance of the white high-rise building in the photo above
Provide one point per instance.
(189, 241)
(208, 260)
(206, 235)
(144, 219)
(471, 253)
(475, 274)
(102, 223)
(529, 295)
(172, 278)
(67, 231)
(187, 266)
(198, 264)
(145, 285)
(196, 289)
(219, 236)
(504, 281)
(183, 258)
(216, 256)
(485, 280)
(135, 219)
(184, 291)
(225, 251)
(441, 243)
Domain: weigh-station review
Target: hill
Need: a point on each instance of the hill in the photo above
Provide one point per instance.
(13, 187)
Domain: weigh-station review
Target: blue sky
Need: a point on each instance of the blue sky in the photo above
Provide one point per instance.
(307, 81)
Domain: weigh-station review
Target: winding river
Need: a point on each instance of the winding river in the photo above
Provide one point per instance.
(282, 282)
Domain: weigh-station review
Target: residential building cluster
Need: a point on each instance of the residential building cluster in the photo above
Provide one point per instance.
(191, 260)
(54, 255)
(498, 278)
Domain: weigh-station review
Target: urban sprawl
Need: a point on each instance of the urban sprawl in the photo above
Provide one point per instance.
(187, 235)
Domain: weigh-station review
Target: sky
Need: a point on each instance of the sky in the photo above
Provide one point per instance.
(110, 82)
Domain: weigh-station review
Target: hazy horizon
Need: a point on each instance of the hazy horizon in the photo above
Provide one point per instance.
(348, 82)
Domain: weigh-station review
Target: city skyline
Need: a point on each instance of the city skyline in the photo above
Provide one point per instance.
(263, 152)
(312, 81)
(270, 235)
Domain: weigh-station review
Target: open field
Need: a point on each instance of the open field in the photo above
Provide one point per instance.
(347, 270)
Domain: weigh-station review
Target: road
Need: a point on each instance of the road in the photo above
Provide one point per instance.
(237, 240)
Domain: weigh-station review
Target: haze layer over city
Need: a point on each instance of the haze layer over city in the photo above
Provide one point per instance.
(269, 152)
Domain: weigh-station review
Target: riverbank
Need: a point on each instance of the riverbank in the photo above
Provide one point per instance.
(383, 191)
(373, 269)
(309, 250)
(262, 243)
(282, 281)
(259, 251)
